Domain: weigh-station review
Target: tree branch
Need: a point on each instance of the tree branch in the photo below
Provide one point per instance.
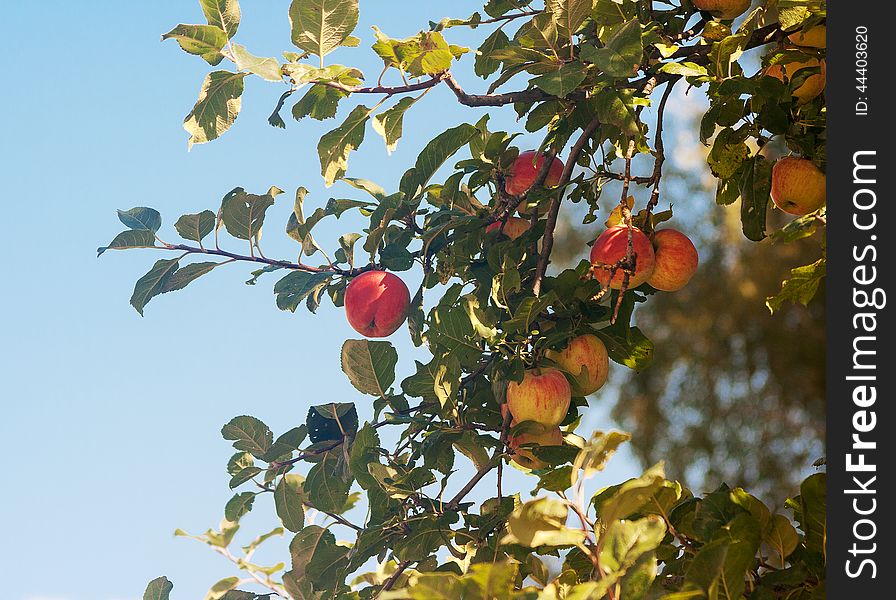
(547, 243)
(283, 264)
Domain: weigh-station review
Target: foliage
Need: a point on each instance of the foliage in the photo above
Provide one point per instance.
(592, 68)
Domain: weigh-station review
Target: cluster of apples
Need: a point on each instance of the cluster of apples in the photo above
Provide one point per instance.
(376, 304)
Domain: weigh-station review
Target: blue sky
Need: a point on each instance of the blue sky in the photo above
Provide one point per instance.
(111, 421)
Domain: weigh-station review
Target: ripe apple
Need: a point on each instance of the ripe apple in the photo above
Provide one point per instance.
(676, 260)
(525, 169)
(551, 436)
(543, 396)
(814, 37)
(585, 359)
(723, 9)
(514, 228)
(611, 246)
(798, 186)
(812, 87)
(376, 303)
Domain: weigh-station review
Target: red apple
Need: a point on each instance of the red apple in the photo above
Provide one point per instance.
(724, 9)
(812, 87)
(543, 396)
(585, 359)
(376, 303)
(798, 186)
(611, 246)
(814, 37)
(522, 175)
(551, 436)
(676, 260)
(514, 228)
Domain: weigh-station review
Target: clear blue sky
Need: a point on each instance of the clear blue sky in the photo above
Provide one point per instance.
(111, 421)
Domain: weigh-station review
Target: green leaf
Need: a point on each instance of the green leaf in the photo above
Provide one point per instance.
(483, 64)
(286, 443)
(316, 556)
(389, 122)
(563, 81)
(141, 219)
(800, 228)
(335, 146)
(205, 41)
(370, 366)
(217, 107)
(182, 277)
(470, 445)
(426, 53)
(289, 497)
(321, 26)
(728, 153)
(632, 348)
(569, 15)
(294, 288)
(622, 54)
(593, 457)
(266, 68)
(319, 103)
(453, 331)
(249, 435)
(812, 514)
(238, 506)
(132, 238)
(298, 228)
(433, 156)
(151, 284)
(541, 522)
(616, 107)
(243, 476)
(423, 539)
(224, 14)
(685, 69)
(364, 452)
(217, 591)
(782, 538)
(755, 190)
(625, 544)
(608, 13)
(800, 286)
(347, 245)
(196, 226)
(433, 381)
(158, 589)
(528, 311)
(629, 497)
(243, 213)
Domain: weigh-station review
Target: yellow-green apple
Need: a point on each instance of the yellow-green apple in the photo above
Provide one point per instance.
(612, 246)
(376, 303)
(523, 173)
(513, 228)
(550, 436)
(814, 37)
(798, 186)
(676, 260)
(542, 396)
(723, 9)
(585, 359)
(812, 87)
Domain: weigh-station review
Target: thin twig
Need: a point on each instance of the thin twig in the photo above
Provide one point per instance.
(547, 243)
